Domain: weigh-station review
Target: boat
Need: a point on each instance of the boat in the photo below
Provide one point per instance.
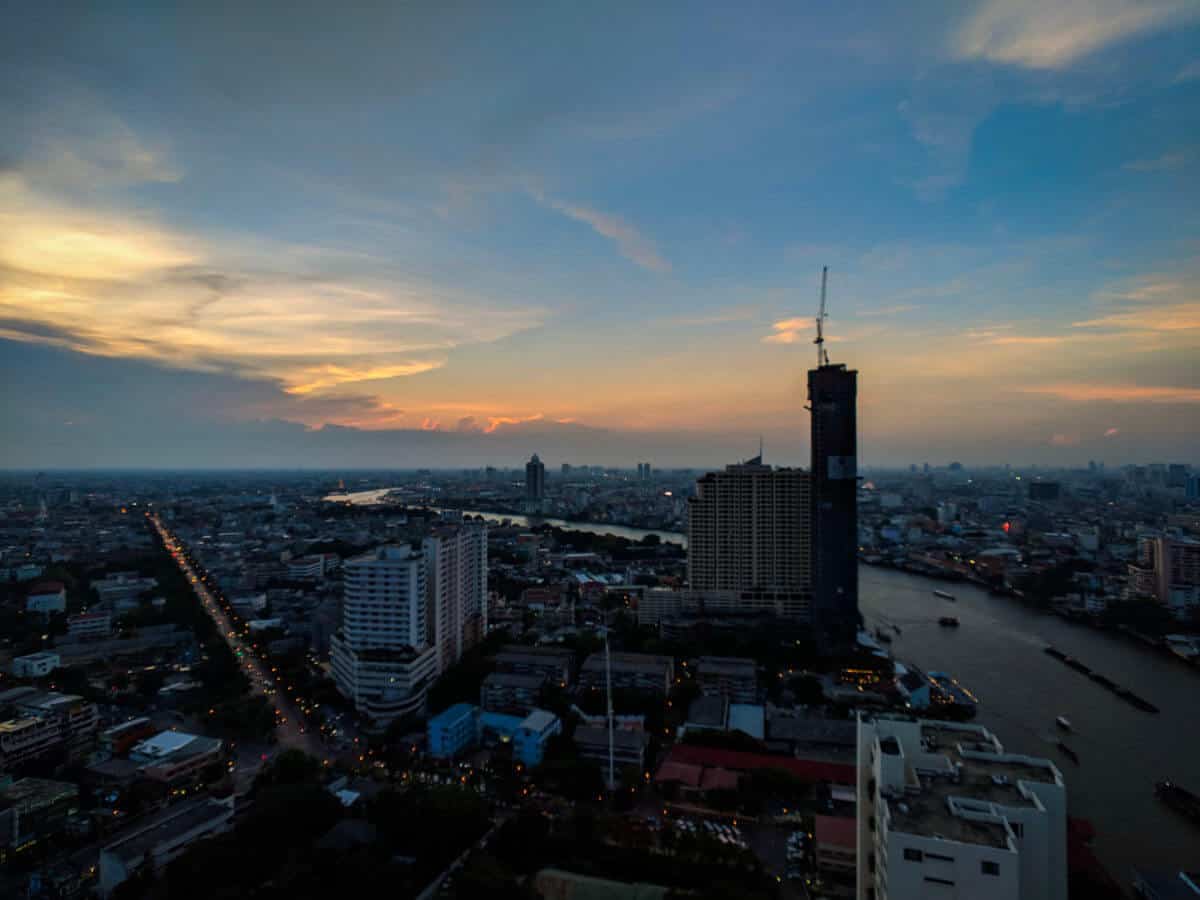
(1056, 653)
(1064, 723)
(883, 636)
(945, 595)
(1077, 665)
(1179, 799)
(1103, 680)
(1068, 753)
(948, 622)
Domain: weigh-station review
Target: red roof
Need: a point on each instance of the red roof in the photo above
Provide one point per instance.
(809, 770)
(680, 772)
(840, 831)
(47, 587)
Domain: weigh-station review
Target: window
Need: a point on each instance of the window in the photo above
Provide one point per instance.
(913, 855)
(939, 857)
(989, 868)
(1018, 829)
(933, 880)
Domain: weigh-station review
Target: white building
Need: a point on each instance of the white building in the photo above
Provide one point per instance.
(35, 665)
(944, 812)
(380, 655)
(456, 590)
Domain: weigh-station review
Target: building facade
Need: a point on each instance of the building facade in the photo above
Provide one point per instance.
(380, 655)
(535, 479)
(1168, 571)
(944, 812)
(833, 400)
(456, 586)
(750, 539)
(734, 678)
(35, 665)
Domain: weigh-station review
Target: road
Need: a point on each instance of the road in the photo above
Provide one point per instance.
(288, 725)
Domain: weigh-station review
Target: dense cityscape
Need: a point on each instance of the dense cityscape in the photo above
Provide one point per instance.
(639, 682)
(600, 451)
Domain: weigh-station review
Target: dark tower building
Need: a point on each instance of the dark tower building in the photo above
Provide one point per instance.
(832, 396)
(535, 479)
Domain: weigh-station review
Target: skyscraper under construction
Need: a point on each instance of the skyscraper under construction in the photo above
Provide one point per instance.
(832, 395)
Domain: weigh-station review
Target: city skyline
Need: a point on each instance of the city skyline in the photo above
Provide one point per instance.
(464, 236)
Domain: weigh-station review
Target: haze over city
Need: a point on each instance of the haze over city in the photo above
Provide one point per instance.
(445, 236)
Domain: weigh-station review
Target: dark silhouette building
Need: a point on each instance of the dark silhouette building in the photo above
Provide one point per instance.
(535, 479)
(832, 395)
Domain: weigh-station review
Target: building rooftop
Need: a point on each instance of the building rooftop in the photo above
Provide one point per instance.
(514, 680)
(630, 662)
(735, 666)
(30, 794)
(164, 744)
(932, 815)
(539, 720)
(40, 656)
(173, 824)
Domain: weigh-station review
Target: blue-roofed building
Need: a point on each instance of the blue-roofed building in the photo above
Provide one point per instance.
(526, 734)
(453, 730)
(529, 741)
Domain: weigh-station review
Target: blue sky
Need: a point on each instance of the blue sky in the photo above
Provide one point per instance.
(597, 233)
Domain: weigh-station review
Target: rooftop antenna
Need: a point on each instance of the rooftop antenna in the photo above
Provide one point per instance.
(822, 356)
(760, 448)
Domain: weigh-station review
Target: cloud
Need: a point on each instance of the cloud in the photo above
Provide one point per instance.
(101, 280)
(327, 376)
(1112, 432)
(788, 331)
(1163, 163)
(631, 243)
(894, 310)
(1118, 393)
(1038, 35)
(1172, 317)
(1190, 72)
(1064, 440)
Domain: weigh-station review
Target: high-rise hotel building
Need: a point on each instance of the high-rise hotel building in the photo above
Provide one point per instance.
(750, 540)
(407, 616)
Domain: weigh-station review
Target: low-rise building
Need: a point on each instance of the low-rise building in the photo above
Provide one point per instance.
(734, 678)
(35, 665)
(942, 807)
(78, 718)
(89, 626)
(453, 731)
(120, 739)
(151, 845)
(122, 586)
(32, 809)
(643, 672)
(556, 664)
(46, 598)
(27, 738)
(629, 746)
(508, 692)
(174, 756)
(463, 727)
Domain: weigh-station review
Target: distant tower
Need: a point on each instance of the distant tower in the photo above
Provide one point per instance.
(535, 479)
(833, 400)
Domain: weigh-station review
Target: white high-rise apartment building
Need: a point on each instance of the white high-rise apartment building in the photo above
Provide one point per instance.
(456, 587)
(381, 656)
(945, 814)
(750, 539)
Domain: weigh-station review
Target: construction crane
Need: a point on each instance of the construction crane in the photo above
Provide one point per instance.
(822, 355)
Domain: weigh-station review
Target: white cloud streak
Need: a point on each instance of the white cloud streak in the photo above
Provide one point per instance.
(1035, 34)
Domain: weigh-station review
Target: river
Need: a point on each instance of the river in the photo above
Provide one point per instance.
(998, 654)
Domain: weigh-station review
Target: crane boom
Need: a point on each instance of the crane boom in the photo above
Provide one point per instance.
(822, 356)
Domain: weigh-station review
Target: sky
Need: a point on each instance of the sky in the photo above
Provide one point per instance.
(455, 234)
